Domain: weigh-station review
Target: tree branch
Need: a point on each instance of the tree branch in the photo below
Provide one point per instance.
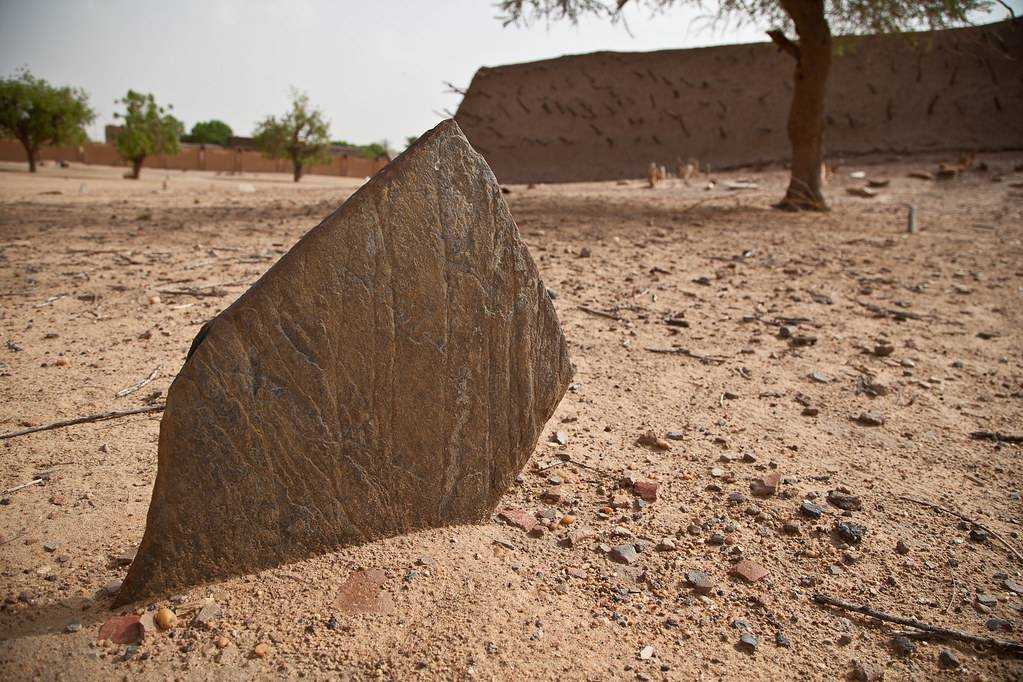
(946, 633)
(1012, 14)
(963, 517)
(83, 420)
(783, 43)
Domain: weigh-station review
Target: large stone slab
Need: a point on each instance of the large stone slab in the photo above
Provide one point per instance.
(391, 372)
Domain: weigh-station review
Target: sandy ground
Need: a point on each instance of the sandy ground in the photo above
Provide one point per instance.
(104, 281)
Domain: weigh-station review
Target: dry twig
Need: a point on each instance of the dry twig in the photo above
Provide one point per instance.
(997, 437)
(600, 313)
(22, 486)
(138, 384)
(705, 359)
(103, 416)
(976, 523)
(1016, 647)
(889, 312)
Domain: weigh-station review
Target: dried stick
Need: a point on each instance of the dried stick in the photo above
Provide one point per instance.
(705, 359)
(978, 524)
(1016, 647)
(214, 292)
(22, 486)
(889, 312)
(997, 437)
(103, 416)
(568, 458)
(600, 313)
(138, 384)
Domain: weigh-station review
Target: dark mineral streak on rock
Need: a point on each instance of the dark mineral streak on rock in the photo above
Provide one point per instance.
(393, 371)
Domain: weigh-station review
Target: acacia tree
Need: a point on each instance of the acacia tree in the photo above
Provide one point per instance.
(302, 135)
(148, 129)
(812, 21)
(37, 113)
(213, 131)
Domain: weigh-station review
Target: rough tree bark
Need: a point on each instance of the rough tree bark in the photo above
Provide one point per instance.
(30, 150)
(297, 167)
(806, 115)
(136, 167)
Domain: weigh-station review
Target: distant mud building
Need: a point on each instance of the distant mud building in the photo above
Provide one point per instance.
(608, 115)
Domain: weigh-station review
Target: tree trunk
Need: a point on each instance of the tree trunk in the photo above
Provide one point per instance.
(136, 167)
(806, 115)
(297, 166)
(30, 152)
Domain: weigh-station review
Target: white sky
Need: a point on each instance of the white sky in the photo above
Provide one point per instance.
(376, 68)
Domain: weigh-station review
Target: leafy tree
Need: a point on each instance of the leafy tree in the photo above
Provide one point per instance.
(37, 113)
(213, 131)
(410, 140)
(813, 21)
(148, 129)
(374, 150)
(301, 135)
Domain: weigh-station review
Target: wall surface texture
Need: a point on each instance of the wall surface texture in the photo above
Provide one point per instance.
(607, 115)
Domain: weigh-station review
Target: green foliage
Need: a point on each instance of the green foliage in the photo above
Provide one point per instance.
(374, 150)
(411, 140)
(301, 135)
(37, 113)
(213, 131)
(148, 129)
(844, 16)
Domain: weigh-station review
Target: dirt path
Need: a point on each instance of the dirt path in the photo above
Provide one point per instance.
(809, 327)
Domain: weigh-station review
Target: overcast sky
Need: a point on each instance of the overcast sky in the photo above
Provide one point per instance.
(376, 68)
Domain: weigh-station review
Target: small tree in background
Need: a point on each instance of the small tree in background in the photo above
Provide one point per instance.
(302, 135)
(811, 51)
(410, 140)
(376, 150)
(148, 129)
(37, 113)
(213, 131)
(373, 150)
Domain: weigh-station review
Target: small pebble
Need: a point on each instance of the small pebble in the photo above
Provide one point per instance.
(903, 645)
(810, 509)
(624, 554)
(850, 532)
(165, 619)
(748, 642)
(948, 659)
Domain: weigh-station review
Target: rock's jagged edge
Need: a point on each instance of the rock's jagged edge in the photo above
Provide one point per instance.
(395, 415)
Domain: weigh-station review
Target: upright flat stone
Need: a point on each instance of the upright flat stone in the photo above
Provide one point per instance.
(393, 371)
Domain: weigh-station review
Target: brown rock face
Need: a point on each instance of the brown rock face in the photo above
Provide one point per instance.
(391, 372)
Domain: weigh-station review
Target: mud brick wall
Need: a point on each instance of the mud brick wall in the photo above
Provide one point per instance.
(212, 158)
(607, 115)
